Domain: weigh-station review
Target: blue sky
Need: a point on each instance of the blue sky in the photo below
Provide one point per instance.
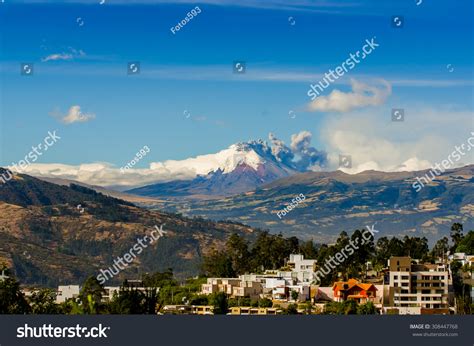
(191, 72)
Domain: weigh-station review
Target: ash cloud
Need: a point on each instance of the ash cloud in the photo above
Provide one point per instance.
(300, 155)
(281, 152)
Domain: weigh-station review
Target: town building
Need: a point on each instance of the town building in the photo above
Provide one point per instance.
(188, 310)
(354, 290)
(417, 288)
(109, 292)
(67, 292)
(246, 310)
(277, 284)
(216, 285)
(303, 269)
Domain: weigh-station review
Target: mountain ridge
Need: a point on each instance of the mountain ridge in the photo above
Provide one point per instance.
(54, 234)
(337, 201)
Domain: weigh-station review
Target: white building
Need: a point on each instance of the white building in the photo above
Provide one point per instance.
(303, 269)
(461, 257)
(109, 292)
(303, 291)
(67, 292)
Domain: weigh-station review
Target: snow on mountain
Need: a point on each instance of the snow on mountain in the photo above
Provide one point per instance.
(240, 168)
(242, 165)
(252, 154)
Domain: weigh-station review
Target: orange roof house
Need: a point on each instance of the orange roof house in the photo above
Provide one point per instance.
(355, 290)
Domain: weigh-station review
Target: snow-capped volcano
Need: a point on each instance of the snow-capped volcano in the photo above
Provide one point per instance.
(239, 168)
(252, 154)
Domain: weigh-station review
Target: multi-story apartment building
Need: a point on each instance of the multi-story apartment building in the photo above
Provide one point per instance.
(215, 285)
(417, 288)
(302, 269)
(248, 288)
(234, 287)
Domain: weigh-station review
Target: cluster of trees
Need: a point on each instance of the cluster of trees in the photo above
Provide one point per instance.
(160, 289)
(350, 307)
(267, 252)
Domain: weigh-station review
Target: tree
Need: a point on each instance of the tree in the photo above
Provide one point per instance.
(238, 252)
(456, 234)
(440, 248)
(201, 299)
(387, 248)
(265, 303)
(44, 302)
(91, 295)
(308, 308)
(294, 295)
(415, 247)
(462, 291)
(12, 300)
(128, 301)
(366, 309)
(466, 245)
(309, 250)
(159, 279)
(219, 301)
(347, 307)
(218, 264)
(292, 309)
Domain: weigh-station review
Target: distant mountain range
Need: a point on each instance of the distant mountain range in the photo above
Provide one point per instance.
(240, 168)
(63, 232)
(336, 201)
(54, 234)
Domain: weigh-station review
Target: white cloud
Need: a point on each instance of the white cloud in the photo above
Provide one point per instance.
(362, 95)
(323, 6)
(58, 56)
(75, 115)
(427, 136)
(105, 174)
(73, 53)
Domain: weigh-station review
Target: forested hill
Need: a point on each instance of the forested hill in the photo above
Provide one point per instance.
(55, 234)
